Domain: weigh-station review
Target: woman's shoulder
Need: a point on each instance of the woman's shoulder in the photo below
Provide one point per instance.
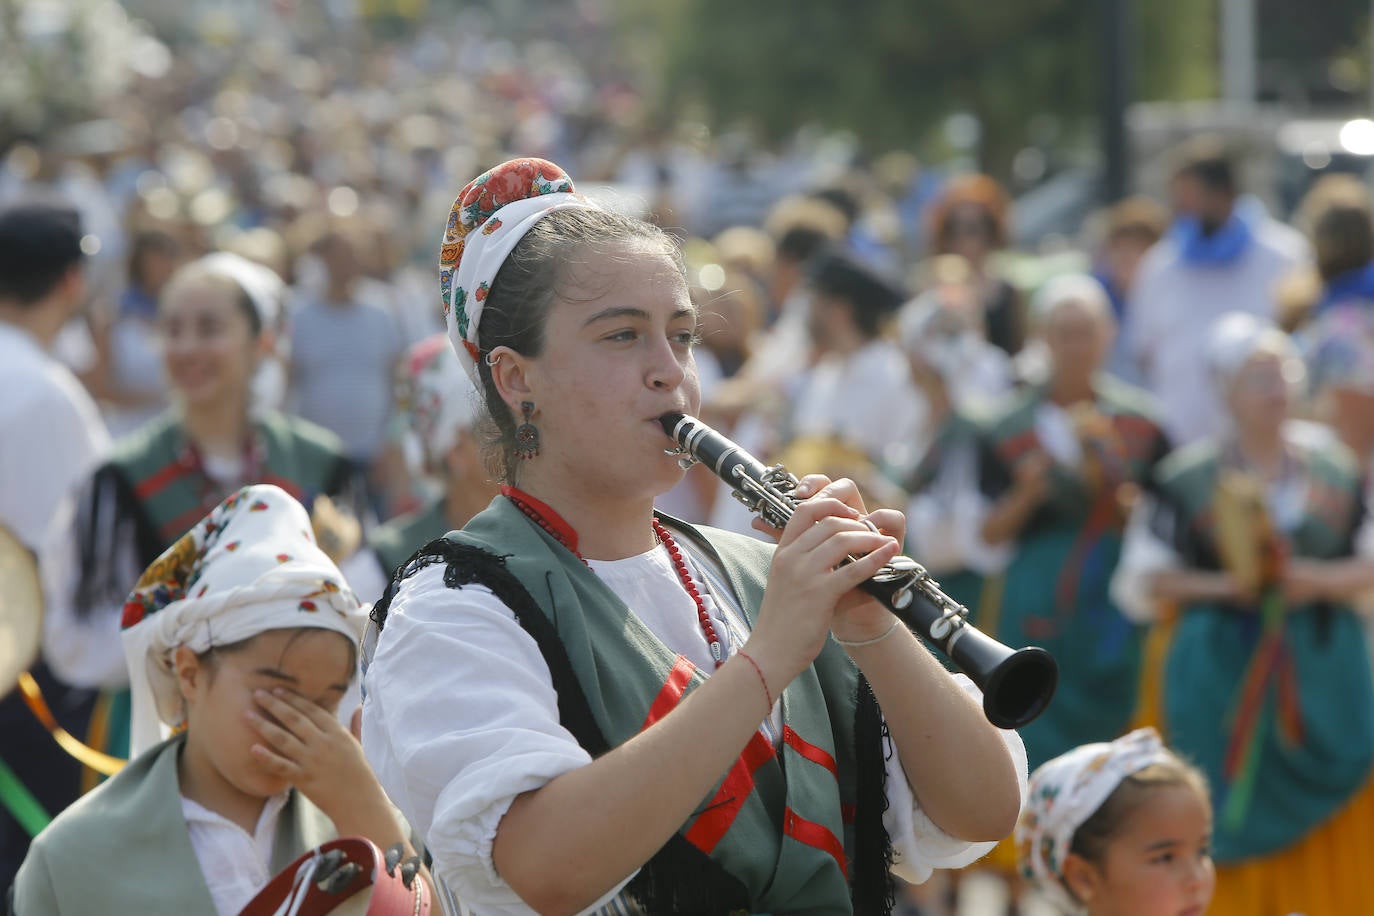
(301, 433)
(151, 442)
(1187, 463)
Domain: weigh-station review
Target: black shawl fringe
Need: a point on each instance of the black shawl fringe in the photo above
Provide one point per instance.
(871, 886)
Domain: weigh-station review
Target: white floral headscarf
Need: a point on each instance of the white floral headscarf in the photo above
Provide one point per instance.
(492, 213)
(250, 566)
(1064, 793)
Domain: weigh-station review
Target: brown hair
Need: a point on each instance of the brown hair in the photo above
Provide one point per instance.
(981, 191)
(1093, 836)
(517, 308)
(1137, 217)
(1343, 238)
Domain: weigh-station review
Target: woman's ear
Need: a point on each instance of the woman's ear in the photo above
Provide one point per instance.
(190, 673)
(1081, 877)
(510, 371)
(266, 344)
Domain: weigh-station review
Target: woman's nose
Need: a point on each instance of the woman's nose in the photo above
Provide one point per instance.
(666, 368)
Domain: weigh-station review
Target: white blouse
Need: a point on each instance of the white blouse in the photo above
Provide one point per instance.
(460, 716)
(236, 864)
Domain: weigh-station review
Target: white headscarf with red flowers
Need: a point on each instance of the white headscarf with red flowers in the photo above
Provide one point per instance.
(1064, 793)
(440, 399)
(250, 566)
(503, 203)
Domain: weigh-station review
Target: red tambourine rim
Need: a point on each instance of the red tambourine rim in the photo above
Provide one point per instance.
(390, 896)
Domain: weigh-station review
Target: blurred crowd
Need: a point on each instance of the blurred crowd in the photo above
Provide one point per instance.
(257, 232)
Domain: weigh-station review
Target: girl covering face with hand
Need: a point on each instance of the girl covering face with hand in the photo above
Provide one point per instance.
(241, 638)
(1119, 829)
(584, 705)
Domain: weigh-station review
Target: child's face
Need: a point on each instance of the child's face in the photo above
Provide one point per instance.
(1160, 863)
(313, 663)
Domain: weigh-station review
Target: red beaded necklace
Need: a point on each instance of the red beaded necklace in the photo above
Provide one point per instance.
(548, 520)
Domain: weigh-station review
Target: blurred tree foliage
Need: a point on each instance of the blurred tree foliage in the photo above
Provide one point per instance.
(892, 70)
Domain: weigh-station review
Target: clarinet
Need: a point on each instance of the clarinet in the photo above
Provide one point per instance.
(1017, 683)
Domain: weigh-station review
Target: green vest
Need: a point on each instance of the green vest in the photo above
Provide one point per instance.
(153, 481)
(781, 824)
(395, 541)
(124, 847)
(1055, 590)
(1299, 785)
(300, 457)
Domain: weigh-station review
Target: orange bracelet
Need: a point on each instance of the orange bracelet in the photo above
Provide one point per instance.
(762, 680)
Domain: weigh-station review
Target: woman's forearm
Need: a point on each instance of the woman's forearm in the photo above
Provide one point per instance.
(1192, 585)
(563, 846)
(955, 760)
(1007, 517)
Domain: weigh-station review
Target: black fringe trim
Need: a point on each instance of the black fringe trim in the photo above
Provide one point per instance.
(871, 886)
(680, 878)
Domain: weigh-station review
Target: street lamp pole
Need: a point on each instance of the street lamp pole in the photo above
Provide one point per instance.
(1118, 67)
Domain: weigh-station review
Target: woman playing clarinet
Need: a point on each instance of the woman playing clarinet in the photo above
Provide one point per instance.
(583, 705)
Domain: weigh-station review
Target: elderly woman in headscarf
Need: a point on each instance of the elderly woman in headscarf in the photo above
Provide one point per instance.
(1059, 463)
(1258, 538)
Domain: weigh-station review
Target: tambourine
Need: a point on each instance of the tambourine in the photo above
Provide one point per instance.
(346, 877)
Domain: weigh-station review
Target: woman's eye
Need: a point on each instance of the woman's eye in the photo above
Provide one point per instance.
(687, 338)
(621, 336)
(1163, 859)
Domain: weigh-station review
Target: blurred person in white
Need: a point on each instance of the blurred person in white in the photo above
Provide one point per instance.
(51, 436)
(961, 376)
(441, 408)
(1131, 228)
(132, 387)
(343, 354)
(1221, 254)
(972, 219)
(859, 391)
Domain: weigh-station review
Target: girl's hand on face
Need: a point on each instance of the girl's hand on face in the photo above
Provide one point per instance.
(309, 747)
(808, 588)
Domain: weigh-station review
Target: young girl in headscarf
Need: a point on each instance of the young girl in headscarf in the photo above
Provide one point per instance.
(241, 639)
(1121, 828)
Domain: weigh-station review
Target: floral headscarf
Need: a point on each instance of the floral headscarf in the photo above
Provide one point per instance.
(250, 566)
(1064, 793)
(492, 213)
(439, 398)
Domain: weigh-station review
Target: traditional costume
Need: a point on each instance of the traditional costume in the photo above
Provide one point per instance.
(135, 844)
(1053, 590)
(544, 661)
(1272, 700)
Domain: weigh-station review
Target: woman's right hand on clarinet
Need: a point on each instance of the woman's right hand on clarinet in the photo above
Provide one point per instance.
(807, 581)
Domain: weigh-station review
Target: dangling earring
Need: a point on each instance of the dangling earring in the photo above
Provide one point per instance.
(526, 434)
